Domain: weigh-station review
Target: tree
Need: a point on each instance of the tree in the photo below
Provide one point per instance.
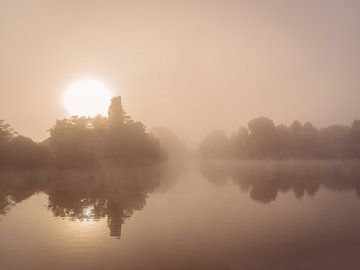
(263, 136)
(355, 130)
(265, 140)
(215, 145)
(73, 141)
(261, 126)
(6, 132)
(25, 153)
(310, 140)
(114, 139)
(239, 143)
(116, 114)
(17, 151)
(285, 141)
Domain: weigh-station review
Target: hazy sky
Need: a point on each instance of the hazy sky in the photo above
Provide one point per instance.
(192, 66)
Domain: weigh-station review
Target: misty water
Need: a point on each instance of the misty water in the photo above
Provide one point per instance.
(193, 215)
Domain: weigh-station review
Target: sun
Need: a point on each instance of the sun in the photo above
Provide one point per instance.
(87, 97)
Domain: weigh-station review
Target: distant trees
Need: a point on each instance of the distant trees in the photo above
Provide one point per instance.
(215, 145)
(263, 136)
(264, 140)
(170, 143)
(19, 151)
(117, 139)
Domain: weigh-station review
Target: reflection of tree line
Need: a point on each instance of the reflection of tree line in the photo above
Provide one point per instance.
(85, 194)
(265, 179)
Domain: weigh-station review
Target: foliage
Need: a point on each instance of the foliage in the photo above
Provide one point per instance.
(83, 142)
(263, 140)
(19, 151)
(117, 139)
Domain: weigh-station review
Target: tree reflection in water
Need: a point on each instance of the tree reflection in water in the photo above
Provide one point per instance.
(85, 194)
(115, 194)
(265, 179)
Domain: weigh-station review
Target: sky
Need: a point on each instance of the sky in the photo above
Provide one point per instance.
(192, 66)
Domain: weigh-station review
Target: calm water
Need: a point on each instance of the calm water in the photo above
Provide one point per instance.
(246, 215)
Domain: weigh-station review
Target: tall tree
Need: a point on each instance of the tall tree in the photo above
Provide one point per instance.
(117, 115)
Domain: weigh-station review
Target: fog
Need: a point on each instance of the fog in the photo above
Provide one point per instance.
(185, 134)
(191, 66)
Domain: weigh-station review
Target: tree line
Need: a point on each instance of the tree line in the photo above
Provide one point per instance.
(262, 139)
(83, 142)
(121, 141)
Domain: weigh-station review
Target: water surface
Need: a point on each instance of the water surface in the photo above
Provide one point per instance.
(213, 215)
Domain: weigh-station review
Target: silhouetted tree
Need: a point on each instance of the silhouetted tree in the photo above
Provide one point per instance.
(74, 142)
(25, 153)
(263, 137)
(116, 139)
(117, 115)
(6, 132)
(17, 151)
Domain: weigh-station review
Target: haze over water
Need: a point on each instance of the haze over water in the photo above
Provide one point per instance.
(179, 135)
(213, 215)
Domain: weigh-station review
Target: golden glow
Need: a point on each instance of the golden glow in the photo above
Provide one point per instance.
(87, 97)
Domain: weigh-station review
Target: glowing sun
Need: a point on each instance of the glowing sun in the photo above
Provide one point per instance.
(87, 97)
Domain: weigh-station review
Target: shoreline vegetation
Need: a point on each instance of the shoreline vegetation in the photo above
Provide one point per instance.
(263, 140)
(119, 141)
(83, 142)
